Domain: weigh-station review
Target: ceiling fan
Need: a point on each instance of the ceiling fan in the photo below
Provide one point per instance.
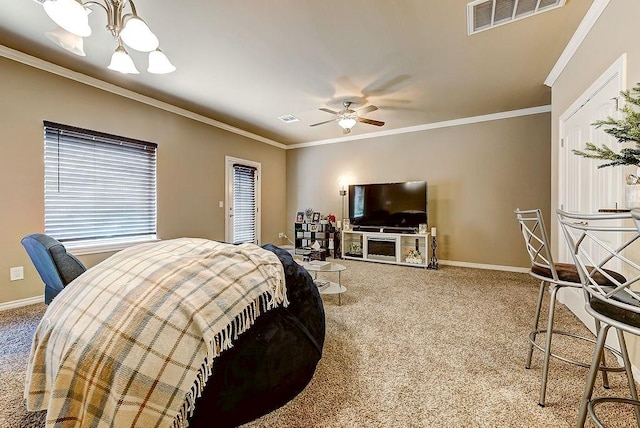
(347, 118)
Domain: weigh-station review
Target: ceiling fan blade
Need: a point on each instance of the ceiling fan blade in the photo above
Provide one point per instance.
(370, 121)
(367, 109)
(322, 123)
(328, 111)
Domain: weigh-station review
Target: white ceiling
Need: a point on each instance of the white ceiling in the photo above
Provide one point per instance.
(245, 63)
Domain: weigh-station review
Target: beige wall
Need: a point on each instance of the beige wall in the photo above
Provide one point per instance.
(191, 158)
(477, 175)
(615, 33)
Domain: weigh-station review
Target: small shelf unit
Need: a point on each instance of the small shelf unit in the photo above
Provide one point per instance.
(308, 233)
(385, 247)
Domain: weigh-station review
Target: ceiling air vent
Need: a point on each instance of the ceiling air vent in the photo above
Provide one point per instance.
(288, 118)
(485, 14)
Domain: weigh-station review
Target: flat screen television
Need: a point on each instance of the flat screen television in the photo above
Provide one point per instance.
(401, 205)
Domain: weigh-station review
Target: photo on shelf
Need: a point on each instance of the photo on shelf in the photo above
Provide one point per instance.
(300, 217)
(316, 217)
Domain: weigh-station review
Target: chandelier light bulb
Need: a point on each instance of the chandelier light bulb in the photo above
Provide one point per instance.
(137, 35)
(70, 15)
(159, 63)
(122, 62)
(69, 41)
(125, 26)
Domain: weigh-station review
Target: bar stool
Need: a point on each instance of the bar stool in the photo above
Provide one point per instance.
(556, 276)
(601, 246)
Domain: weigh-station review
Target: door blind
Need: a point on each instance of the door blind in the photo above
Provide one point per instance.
(98, 186)
(244, 203)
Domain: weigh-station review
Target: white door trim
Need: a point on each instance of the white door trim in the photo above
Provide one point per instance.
(616, 70)
(573, 298)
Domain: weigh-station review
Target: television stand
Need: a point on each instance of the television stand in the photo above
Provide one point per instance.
(403, 248)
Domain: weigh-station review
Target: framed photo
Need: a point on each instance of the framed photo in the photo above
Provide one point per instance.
(300, 217)
(316, 217)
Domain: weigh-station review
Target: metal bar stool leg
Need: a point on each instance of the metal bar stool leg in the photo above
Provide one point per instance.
(547, 348)
(591, 377)
(605, 375)
(536, 319)
(629, 370)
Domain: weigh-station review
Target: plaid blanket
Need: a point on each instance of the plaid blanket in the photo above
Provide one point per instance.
(131, 342)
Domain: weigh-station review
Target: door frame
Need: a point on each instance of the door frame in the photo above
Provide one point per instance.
(229, 161)
(573, 298)
(617, 70)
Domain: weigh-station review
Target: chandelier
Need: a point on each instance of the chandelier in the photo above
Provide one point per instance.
(73, 21)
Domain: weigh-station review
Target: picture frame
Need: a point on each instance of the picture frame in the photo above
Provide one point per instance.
(300, 217)
(316, 217)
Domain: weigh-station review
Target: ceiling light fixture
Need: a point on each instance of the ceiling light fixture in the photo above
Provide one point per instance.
(348, 120)
(71, 16)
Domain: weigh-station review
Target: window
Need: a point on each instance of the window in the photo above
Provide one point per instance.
(244, 203)
(100, 189)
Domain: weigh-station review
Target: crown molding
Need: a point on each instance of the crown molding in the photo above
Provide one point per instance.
(429, 126)
(38, 63)
(589, 20)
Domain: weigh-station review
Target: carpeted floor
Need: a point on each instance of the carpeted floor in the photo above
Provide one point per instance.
(407, 347)
(16, 331)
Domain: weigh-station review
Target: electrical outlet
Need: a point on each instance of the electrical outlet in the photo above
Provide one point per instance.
(281, 235)
(16, 273)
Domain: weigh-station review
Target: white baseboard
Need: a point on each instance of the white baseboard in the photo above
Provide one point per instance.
(484, 266)
(22, 302)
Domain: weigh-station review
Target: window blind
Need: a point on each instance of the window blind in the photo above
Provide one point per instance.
(98, 186)
(244, 204)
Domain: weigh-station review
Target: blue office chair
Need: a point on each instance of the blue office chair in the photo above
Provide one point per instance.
(56, 266)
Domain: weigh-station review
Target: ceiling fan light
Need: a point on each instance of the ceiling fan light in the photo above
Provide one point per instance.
(137, 35)
(70, 15)
(122, 62)
(159, 63)
(69, 41)
(347, 122)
